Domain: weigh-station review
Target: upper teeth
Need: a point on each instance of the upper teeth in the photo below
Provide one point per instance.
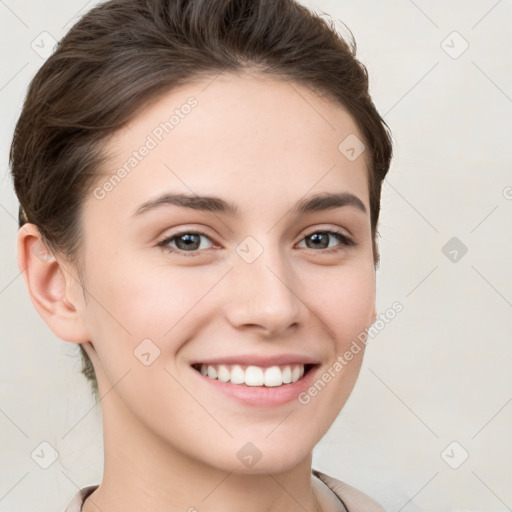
(254, 375)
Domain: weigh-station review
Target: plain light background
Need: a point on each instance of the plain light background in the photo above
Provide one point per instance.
(436, 383)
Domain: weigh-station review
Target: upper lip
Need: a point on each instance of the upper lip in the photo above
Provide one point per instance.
(259, 360)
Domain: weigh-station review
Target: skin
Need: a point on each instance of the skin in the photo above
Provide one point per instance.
(170, 441)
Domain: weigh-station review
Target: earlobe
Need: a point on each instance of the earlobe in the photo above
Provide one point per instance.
(49, 285)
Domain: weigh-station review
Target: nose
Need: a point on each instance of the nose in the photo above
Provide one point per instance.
(261, 296)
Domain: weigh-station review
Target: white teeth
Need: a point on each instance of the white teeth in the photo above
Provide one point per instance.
(223, 373)
(237, 375)
(272, 376)
(254, 376)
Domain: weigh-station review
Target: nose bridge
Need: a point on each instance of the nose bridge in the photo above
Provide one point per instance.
(263, 293)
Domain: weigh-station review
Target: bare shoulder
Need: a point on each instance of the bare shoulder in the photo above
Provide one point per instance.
(353, 499)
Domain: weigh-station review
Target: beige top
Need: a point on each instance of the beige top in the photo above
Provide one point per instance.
(351, 499)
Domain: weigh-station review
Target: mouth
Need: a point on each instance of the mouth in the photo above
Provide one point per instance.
(255, 376)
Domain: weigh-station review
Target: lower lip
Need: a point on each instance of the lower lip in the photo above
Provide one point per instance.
(263, 396)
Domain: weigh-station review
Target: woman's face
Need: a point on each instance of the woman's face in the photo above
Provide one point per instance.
(260, 282)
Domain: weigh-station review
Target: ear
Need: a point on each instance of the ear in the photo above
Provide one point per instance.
(54, 287)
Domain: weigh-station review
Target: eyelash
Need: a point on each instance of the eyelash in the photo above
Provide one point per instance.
(344, 240)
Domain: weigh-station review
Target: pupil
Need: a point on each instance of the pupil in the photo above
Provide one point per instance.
(188, 241)
(317, 236)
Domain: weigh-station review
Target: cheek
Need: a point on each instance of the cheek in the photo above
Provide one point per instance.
(133, 302)
(139, 296)
(345, 302)
(345, 309)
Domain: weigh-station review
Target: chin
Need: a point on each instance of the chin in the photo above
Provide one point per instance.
(261, 456)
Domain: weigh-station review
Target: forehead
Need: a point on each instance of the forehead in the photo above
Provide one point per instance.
(236, 135)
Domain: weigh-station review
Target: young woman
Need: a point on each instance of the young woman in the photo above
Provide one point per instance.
(199, 186)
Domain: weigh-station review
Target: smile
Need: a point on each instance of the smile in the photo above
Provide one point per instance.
(249, 375)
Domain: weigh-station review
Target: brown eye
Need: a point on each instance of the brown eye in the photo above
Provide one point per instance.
(321, 240)
(187, 241)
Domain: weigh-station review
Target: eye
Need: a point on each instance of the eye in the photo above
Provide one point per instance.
(186, 242)
(189, 243)
(320, 240)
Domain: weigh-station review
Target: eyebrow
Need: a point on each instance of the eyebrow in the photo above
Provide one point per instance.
(316, 203)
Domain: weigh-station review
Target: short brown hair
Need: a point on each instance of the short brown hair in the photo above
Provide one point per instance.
(123, 53)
